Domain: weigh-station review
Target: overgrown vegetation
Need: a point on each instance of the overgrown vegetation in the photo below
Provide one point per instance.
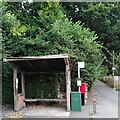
(104, 19)
(34, 29)
(41, 86)
(7, 84)
(112, 82)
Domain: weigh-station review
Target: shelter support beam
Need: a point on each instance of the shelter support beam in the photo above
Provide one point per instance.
(68, 86)
(23, 86)
(18, 98)
(15, 87)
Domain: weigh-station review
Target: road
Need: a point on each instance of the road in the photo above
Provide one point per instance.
(107, 103)
(107, 100)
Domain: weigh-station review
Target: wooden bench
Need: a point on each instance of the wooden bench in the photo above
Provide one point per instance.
(46, 100)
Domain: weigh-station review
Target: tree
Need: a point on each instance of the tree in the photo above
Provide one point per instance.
(99, 17)
(103, 18)
(46, 30)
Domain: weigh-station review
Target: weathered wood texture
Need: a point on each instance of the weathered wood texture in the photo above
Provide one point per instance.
(46, 100)
(14, 87)
(23, 87)
(68, 86)
(37, 65)
(18, 98)
(36, 57)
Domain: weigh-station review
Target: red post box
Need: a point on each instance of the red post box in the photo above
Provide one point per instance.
(83, 88)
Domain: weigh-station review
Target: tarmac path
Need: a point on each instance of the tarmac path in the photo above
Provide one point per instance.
(107, 103)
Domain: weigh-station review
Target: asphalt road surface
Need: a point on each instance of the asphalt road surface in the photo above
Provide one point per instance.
(107, 103)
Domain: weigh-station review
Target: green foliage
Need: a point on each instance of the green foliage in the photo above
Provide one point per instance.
(15, 26)
(99, 17)
(43, 29)
(103, 18)
(114, 32)
(79, 43)
(117, 64)
(41, 86)
(7, 84)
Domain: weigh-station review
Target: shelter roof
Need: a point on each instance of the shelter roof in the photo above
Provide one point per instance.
(40, 64)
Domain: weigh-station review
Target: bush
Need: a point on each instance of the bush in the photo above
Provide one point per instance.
(7, 85)
(41, 86)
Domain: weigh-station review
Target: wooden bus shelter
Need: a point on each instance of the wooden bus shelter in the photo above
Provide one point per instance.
(38, 64)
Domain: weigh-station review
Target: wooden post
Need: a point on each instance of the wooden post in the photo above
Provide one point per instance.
(23, 86)
(68, 86)
(14, 87)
